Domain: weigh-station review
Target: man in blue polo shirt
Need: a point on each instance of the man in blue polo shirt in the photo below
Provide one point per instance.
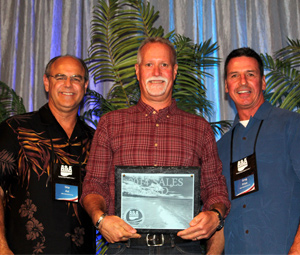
(261, 163)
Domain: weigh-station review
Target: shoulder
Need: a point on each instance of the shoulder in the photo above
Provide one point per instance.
(190, 118)
(89, 130)
(20, 120)
(121, 114)
(283, 117)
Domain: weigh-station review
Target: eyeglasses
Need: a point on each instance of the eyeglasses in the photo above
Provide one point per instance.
(74, 79)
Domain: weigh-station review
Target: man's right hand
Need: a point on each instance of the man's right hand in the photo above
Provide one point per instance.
(114, 230)
(4, 250)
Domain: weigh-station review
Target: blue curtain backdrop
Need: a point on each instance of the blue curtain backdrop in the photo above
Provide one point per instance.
(34, 31)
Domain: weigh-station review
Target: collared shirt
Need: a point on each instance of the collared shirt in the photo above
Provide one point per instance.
(141, 136)
(35, 222)
(266, 221)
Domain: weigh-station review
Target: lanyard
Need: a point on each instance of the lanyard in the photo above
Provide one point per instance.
(52, 158)
(231, 145)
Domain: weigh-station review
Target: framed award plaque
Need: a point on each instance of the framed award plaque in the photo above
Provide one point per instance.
(157, 199)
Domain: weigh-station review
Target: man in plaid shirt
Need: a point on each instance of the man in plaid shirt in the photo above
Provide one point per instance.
(155, 133)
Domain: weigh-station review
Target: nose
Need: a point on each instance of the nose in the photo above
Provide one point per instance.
(156, 70)
(68, 82)
(243, 79)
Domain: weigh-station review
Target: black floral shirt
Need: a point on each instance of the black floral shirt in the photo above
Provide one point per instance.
(35, 222)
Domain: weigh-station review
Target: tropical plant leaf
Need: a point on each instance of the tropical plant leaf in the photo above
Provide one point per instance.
(283, 77)
(118, 28)
(10, 102)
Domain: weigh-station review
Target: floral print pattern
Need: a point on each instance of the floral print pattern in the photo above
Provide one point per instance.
(33, 226)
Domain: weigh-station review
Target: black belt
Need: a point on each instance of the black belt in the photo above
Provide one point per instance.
(156, 240)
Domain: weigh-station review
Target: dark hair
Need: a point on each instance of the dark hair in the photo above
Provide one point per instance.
(246, 52)
(48, 66)
(160, 40)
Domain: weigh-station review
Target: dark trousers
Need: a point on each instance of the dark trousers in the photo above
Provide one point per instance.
(170, 245)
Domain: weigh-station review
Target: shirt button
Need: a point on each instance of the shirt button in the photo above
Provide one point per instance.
(154, 112)
(146, 115)
(157, 125)
(168, 116)
(244, 138)
(155, 145)
(244, 206)
(155, 164)
(247, 231)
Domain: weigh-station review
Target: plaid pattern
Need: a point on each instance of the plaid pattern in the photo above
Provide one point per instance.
(140, 136)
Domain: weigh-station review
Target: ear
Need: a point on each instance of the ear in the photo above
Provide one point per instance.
(175, 71)
(264, 84)
(226, 87)
(137, 71)
(86, 84)
(46, 82)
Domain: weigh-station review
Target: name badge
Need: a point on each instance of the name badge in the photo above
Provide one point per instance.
(243, 175)
(66, 182)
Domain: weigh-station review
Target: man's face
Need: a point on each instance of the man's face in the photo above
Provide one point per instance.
(245, 84)
(65, 95)
(156, 73)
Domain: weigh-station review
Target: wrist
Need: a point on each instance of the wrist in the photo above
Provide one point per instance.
(99, 222)
(221, 219)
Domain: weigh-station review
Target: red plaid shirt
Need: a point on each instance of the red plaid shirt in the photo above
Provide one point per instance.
(141, 136)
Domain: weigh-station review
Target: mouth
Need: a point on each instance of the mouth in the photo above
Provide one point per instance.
(244, 91)
(68, 93)
(156, 80)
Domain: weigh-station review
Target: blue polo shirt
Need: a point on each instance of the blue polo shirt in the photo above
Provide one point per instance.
(266, 221)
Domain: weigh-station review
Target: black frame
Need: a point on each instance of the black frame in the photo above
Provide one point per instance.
(135, 214)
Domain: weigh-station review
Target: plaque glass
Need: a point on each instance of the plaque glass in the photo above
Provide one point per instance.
(157, 199)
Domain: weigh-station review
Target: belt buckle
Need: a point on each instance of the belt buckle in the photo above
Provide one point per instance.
(151, 240)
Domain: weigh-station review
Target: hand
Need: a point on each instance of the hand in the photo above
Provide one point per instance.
(201, 227)
(114, 229)
(295, 249)
(4, 250)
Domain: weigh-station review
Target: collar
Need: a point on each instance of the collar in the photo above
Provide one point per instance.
(170, 110)
(48, 119)
(46, 115)
(261, 114)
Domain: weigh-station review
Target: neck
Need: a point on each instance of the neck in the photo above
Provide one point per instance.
(158, 105)
(67, 120)
(246, 114)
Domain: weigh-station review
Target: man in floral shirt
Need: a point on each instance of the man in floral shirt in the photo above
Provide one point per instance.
(43, 156)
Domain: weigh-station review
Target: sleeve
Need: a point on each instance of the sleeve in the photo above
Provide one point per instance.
(99, 163)
(294, 143)
(213, 183)
(9, 149)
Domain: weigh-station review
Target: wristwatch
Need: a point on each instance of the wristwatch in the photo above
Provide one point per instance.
(221, 219)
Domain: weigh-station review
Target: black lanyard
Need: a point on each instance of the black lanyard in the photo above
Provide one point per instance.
(52, 158)
(231, 145)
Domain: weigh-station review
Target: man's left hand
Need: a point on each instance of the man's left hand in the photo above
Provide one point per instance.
(201, 227)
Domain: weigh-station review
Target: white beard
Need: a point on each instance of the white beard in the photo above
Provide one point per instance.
(156, 89)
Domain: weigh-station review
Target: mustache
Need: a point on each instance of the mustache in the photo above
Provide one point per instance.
(157, 78)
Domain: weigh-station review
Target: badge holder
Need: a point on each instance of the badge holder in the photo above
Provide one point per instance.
(243, 177)
(243, 173)
(66, 182)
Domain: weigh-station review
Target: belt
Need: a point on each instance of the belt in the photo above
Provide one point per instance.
(156, 240)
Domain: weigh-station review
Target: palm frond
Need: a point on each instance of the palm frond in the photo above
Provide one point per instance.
(10, 102)
(118, 28)
(283, 77)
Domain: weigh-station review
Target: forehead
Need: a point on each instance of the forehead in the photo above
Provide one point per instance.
(156, 50)
(67, 65)
(242, 63)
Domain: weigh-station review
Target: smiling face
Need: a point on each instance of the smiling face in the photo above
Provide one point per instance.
(156, 74)
(245, 85)
(64, 95)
